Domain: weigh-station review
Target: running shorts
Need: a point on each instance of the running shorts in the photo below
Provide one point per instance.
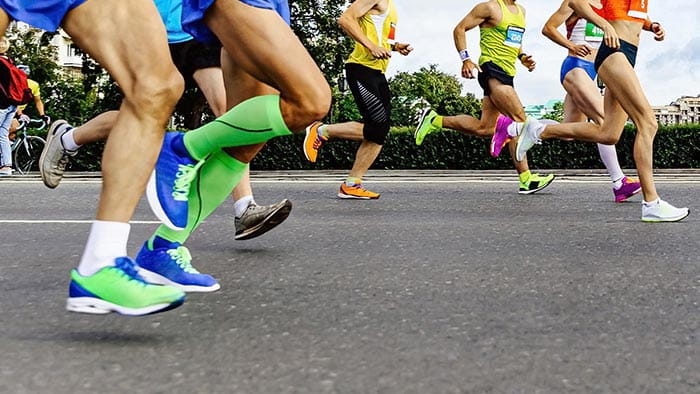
(370, 89)
(629, 50)
(44, 14)
(490, 70)
(193, 13)
(192, 55)
(572, 62)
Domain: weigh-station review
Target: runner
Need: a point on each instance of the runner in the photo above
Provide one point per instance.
(578, 77)
(372, 24)
(200, 65)
(137, 58)
(622, 21)
(502, 27)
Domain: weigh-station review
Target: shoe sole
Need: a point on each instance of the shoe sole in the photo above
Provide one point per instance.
(351, 197)
(420, 122)
(538, 189)
(634, 193)
(154, 203)
(158, 279)
(49, 137)
(96, 306)
(306, 138)
(274, 219)
(672, 220)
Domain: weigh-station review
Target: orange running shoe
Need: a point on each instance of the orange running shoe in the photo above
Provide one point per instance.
(356, 192)
(313, 141)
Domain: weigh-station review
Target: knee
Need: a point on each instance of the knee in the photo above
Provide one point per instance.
(156, 93)
(609, 139)
(376, 132)
(648, 125)
(315, 105)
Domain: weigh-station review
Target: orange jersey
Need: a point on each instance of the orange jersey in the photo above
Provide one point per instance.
(628, 10)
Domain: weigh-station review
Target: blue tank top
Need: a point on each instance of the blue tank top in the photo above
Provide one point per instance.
(171, 14)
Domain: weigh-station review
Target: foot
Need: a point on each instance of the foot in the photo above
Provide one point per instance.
(528, 137)
(661, 211)
(120, 289)
(356, 192)
(500, 137)
(535, 183)
(259, 219)
(172, 266)
(313, 141)
(54, 157)
(629, 188)
(169, 185)
(425, 125)
(5, 171)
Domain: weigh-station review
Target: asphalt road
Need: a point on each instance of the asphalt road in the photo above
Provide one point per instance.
(449, 283)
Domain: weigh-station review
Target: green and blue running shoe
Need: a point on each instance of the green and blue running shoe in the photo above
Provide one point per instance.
(535, 183)
(425, 125)
(120, 289)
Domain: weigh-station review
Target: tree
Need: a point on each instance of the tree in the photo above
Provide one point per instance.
(558, 112)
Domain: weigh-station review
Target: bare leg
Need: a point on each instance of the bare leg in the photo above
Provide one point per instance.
(366, 154)
(211, 83)
(345, 131)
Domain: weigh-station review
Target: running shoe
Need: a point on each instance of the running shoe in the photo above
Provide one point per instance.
(356, 192)
(54, 157)
(629, 188)
(313, 141)
(500, 137)
(661, 211)
(172, 266)
(169, 185)
(528, 137)
(425, 125)
(6, 172)
(119, 288)
(259, 219)
(535, 183)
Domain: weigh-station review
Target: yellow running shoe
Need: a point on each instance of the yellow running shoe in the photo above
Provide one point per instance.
(356, 192)
(313, 141)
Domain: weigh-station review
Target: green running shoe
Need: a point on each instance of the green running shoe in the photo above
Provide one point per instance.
(120, 289)
(535, 183)
(425, 125)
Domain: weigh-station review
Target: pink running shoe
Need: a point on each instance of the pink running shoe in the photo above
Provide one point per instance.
(500, 137)
(629, 188)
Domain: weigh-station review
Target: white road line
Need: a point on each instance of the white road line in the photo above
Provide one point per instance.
(22, 221)
(676, 181)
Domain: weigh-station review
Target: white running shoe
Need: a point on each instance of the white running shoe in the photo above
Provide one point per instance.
(529, 137)
(661, 211)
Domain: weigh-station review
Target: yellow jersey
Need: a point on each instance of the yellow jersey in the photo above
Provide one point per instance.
(34, 87)
(381, 30)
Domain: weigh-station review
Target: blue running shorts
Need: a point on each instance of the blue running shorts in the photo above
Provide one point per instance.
(572, 62)
(44, 14)
(193, 13)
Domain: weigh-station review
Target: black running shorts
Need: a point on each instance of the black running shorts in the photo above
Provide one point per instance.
(370, 89)
(192, 55)
(490, 70)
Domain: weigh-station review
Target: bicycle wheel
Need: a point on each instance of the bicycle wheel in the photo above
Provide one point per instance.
(27, 154)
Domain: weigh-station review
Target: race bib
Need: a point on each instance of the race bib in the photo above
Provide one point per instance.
(514, 36)
(594, 33)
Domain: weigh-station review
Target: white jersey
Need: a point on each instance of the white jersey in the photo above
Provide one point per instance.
(583, 32)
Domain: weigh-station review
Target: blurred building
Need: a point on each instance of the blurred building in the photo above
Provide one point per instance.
(685, 110)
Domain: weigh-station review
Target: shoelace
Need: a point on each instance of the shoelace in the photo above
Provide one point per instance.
(318, 141)
(183, 179)
(183, 258)
(128, 267)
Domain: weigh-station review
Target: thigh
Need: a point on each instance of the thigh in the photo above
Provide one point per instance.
(506, 100)
(129, 41)
(4, 21)
(621, 80)
(572, 113)
(584, 94)
(489, 115)
(615, 116)
(367, 92)
(240, 85)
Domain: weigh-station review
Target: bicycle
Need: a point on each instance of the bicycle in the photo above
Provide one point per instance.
(26, 148)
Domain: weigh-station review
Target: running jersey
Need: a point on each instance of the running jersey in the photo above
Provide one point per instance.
(583, 32)
(501, 44)
(376, 27)
(628, 10)
(36, 91)
(171, 14)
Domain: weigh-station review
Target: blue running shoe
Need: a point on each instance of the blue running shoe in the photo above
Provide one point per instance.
(172, 265)
(169, 185)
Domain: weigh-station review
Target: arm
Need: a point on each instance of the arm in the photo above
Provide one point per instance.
(480, 14)
(551, 30)
(656, 28)
(348, 22)
(402, 48)
(39, 105)
(583, 9)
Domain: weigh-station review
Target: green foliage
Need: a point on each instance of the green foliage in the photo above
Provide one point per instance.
(558, 113)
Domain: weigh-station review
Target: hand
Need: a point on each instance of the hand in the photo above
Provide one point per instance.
(469, 69)
(403, 49)
(610, 37)
(659, 32)
(582, 50)
(528, 62)
(46, 119)
(379, 52)
(24, 118)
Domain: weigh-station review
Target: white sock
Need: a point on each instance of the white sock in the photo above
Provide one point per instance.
(608, 154)
(106, 242)
(69, 142)
(241, 205)
(658, 200)
(513, 129)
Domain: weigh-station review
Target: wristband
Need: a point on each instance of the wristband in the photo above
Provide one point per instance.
(521, 55)
(464, 55)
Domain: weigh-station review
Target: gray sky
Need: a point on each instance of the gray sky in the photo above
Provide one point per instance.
(667, 70)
